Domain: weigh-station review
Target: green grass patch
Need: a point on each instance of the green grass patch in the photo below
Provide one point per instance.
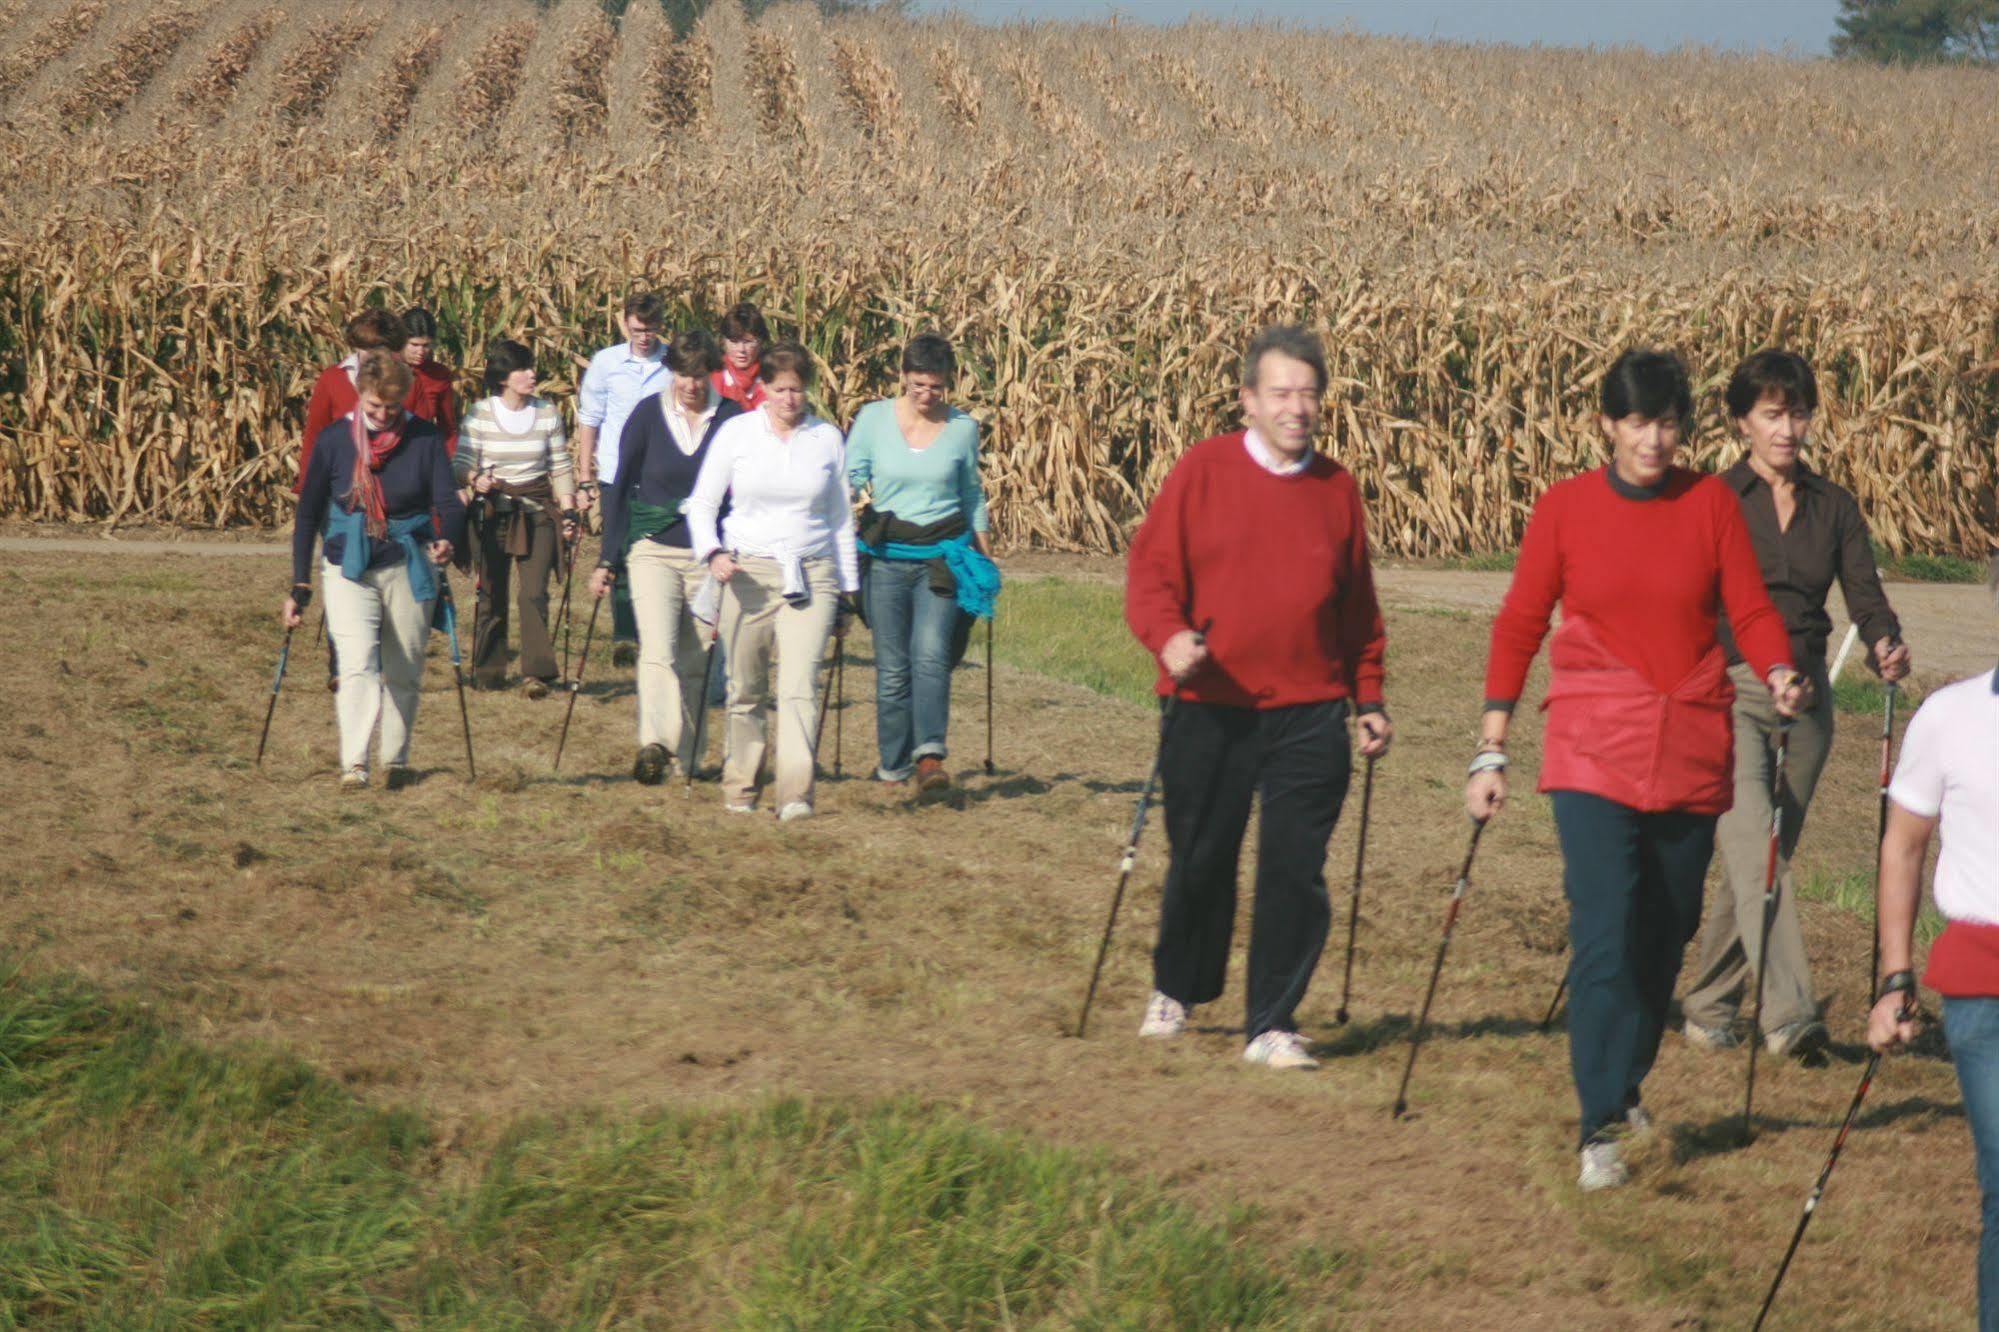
(1074, 631)
(1489, 561)
(1919, 568)
(1863, 693)
(146, 1182)
(1855, 893)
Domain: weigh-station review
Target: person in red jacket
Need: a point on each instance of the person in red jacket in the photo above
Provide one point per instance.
(433, 395)
(333, 394)
(1638, 757)
(1250, 581)
(744, 336)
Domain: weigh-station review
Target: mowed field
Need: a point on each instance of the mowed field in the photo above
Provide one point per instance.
(577, 974)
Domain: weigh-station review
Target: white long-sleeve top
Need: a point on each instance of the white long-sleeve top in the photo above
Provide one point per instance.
(787, 497)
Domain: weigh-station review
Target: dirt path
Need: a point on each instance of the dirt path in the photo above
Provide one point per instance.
(538, 943)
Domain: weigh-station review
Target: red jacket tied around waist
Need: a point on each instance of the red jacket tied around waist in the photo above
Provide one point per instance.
(1639, 695)
(1273, 567)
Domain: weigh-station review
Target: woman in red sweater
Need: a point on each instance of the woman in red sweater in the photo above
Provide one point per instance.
(1642, 557)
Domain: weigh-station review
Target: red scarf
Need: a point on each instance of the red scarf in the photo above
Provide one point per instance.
(371, 451)
(745, 388)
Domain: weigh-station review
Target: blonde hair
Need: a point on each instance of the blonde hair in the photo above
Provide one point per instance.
(385, 375)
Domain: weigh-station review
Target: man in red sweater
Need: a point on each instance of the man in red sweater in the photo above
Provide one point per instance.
(1249, 580)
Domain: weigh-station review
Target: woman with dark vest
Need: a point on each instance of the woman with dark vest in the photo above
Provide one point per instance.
(646, 540)
(379, 486)
(1808, 533)
(514, 464)
(1643, 557)
(928, 570)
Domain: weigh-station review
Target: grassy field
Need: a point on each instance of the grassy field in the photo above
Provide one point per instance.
(557, 1052)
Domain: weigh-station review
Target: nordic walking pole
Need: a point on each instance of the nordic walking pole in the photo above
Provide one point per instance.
(839, 705)
(582, 664)
(701, 709)
(277, 683)
(825, 706)
(1769, 917)
(457, 677)
(989, 699)
(1353, 911)
(1881, 831)
(1437, 968)
(569, 545)
(1825, 1173)
(1555, 1004)
(1125, 865)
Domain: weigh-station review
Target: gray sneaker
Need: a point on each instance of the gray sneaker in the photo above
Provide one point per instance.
(1602, 1167)
(1709, 1038)
(1637, 1120)
(1798, 1040)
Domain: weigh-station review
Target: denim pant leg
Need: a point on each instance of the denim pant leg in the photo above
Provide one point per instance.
(933, 619)
(1971, 1026)
(893, 586)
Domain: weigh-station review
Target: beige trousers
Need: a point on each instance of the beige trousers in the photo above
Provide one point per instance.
(379, 634)
(756, 619)
(1725, 976)
(671, 653)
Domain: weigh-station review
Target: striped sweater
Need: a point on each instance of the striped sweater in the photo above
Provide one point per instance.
(484, 444)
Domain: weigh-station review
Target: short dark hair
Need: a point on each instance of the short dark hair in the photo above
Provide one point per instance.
(1783, 374)
(646, 305)
(503, 357)
(929, 354)
(782, 358)
(694, 352)
(1649, 383)
(1292, 340)
(375, 329)
(744, 320)
(419, 322)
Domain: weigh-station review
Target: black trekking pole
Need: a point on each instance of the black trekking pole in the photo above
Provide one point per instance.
(1437, 968)
(989, 696)
(277, 683)
(1881, 829)
(562, 617)
(457, 677)
(1825, 1173)
(582, 664)
(825, 706)
(839, 704)
(1555, 1004)
(701, 710)
(1769, 918)
(1125, 864)
(1353, 911)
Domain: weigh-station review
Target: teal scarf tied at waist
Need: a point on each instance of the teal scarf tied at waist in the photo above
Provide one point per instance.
(977, 578)
(357, 552)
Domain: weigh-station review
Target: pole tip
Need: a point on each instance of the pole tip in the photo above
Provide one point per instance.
(1401, 1107)
(1341, 1017)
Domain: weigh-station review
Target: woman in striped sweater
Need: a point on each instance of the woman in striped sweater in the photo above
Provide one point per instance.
(1642, 557)
(514, 462)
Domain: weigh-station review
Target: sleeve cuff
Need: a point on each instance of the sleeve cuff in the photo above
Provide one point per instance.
(1505, 705)
(1374, 709)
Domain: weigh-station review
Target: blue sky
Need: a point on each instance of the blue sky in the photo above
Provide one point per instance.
(1804, 26)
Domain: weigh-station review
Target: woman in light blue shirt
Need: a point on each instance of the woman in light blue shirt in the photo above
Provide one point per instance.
(929, 571)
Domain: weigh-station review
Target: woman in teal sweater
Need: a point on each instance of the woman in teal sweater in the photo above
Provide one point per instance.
(924, 531)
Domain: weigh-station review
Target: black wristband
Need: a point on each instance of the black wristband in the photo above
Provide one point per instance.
(1898, 982)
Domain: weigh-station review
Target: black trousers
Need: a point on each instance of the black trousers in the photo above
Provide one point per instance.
(1634, 886)
(1296, 762)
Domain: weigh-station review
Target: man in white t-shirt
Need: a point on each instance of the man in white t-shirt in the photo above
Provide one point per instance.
(1947, 783)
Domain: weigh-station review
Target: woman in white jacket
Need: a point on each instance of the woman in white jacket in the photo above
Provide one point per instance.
(785, 560)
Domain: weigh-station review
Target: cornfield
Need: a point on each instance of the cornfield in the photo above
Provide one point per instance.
(1098, 216)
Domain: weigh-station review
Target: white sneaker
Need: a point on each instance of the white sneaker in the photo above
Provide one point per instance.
(354, 779)
(1602, 1167)
(1637, 1120)
(1163, 1017)
(1279, 1049)
(797, 809)
(738, 807)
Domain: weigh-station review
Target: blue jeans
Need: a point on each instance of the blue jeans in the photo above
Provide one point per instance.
(1972, 1028)
(912, 629)
(1634, 886)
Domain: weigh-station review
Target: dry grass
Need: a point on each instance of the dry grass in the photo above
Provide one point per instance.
(397, 88)
(141, 52)
(1476, 232)
(307, 74)
(48, 44)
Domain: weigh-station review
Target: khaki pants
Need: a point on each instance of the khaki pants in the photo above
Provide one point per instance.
(380, 631)
(755, 619)
(671, 656)
(1725, 977)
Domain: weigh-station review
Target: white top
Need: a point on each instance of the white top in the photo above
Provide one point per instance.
(686, 431)
(614, 384)
(1268, 459)
(1949, 770)
(788, 498)
(512, 421)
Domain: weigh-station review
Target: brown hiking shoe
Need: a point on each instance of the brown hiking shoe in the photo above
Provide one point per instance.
(931, 779)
